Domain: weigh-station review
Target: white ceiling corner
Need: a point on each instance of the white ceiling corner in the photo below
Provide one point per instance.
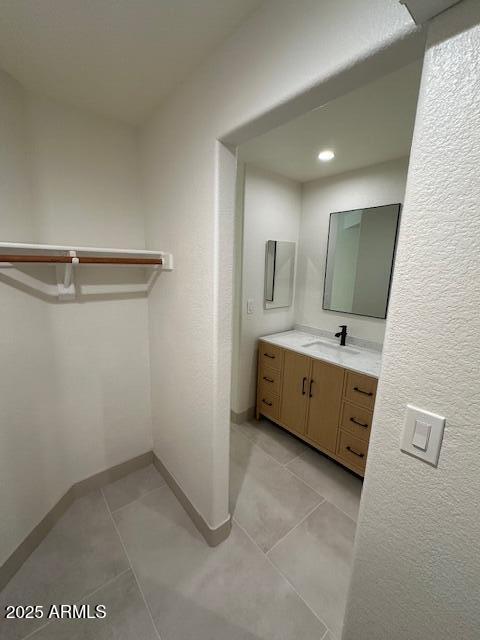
(424, 10)
(120, 58)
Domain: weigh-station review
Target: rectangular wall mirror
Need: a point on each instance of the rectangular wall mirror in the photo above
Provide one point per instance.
(360, 254)
(279, 273)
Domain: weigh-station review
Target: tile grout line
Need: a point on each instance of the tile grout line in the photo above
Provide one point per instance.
(295, 526)
(106, 584)
(327, 631)
(88, 595)
(280, 464)
(304, 482)
(282, 575)
(124, 506)
(131, 565)
(31, 634)
(295, 458)
(285, 466)
(325, 499)
(288, 435)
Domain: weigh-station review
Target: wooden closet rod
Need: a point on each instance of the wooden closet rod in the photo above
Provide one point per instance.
(79, 260)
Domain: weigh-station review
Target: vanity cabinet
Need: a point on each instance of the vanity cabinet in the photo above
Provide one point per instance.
(326, 405)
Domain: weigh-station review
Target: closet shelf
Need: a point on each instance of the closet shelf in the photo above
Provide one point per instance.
(16, 257)
(67, 257)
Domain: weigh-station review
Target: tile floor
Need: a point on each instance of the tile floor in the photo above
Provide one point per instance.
(282, 574)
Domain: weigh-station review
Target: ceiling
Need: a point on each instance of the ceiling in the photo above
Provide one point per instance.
(369, 125)
(424, 10)
(117, 57)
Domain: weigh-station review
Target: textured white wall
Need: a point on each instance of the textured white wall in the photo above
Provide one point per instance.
(34, 464)
(369, 187)
(283, 50)
(74, 381)
(272, 210)
(87, 191)
(417, 557)
(86, 177)
(15, 173)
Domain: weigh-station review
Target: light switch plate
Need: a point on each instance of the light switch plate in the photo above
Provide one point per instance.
(423, 434)
(250, 306)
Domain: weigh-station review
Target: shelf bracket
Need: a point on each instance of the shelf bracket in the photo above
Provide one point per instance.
(66, 280)
(167, 262)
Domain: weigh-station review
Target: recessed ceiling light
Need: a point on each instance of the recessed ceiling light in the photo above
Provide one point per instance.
(326, 155)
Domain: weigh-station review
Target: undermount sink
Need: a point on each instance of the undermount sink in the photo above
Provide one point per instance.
(323, 345)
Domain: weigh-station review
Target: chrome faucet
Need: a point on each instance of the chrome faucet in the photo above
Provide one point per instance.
(342, 334)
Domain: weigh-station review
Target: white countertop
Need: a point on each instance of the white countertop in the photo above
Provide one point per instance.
(350, 357)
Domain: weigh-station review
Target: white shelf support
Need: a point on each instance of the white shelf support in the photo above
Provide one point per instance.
(66, 280)
(167, 262)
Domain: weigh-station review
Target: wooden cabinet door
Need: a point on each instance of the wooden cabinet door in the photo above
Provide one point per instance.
(296, 372)
(325, 398)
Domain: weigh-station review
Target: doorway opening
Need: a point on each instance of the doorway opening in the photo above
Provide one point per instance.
(310, 305)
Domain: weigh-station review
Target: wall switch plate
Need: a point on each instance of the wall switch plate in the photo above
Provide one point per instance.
(250, 306)
(422, 434)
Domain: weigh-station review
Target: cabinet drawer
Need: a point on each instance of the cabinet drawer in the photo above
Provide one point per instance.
(268, 403)
(270, 356)
(269, 380)
(356, 420)
(352, 450)
(361, 389)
